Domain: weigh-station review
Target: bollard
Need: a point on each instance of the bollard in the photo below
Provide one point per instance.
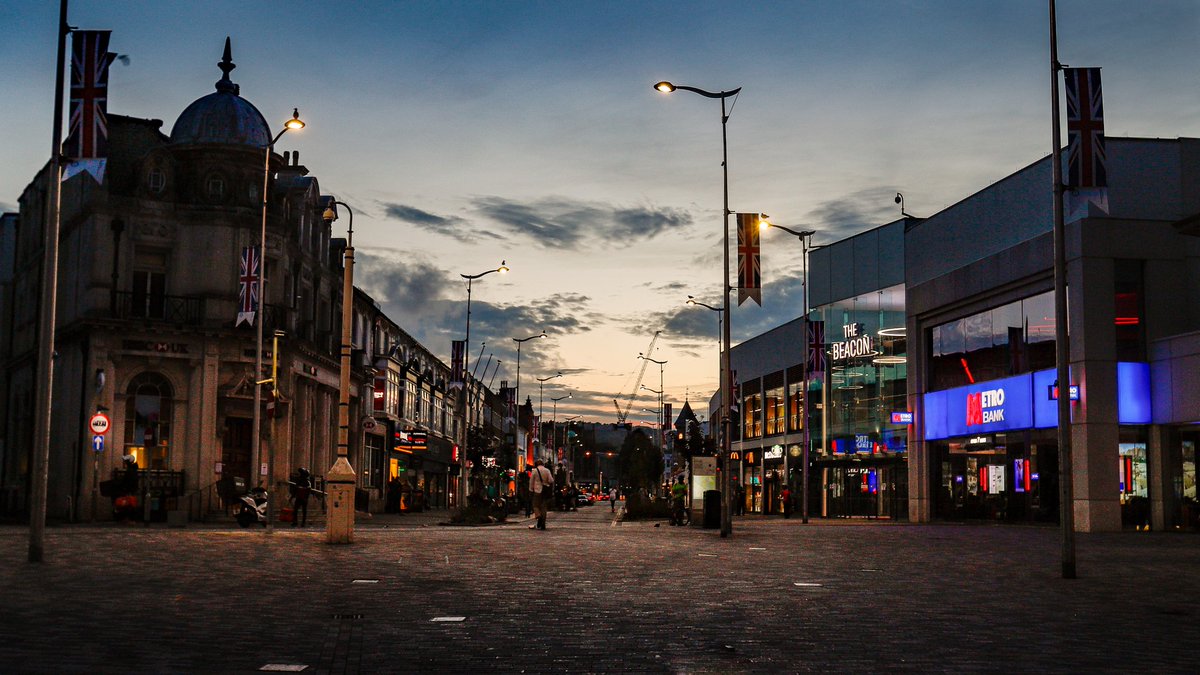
(339, 488)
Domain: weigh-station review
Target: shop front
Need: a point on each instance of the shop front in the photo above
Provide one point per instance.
(995, 452)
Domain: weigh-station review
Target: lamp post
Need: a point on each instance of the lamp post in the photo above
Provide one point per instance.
(726, 374)
(662, 422)
(519, 342)
(541, 382)
(462, 477)
(260, 313)
(554, 424)
(339, 527)
(805, 237)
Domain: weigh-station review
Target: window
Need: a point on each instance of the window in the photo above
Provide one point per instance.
(391, 399)
(372, 471)
(148, 421)
(775, 411)
(1008, 340)
(148, 297)
(214, 187)
(410, 400)
(795, 407)
(1129, 311)
(426, 407)
(156, 180)
(752, 425)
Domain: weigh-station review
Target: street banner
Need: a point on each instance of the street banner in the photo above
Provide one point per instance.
(666, 416)
(816, 347)
(87, 135)
(1087, 163)
(749, 270)
(248, 287)
(457, 348)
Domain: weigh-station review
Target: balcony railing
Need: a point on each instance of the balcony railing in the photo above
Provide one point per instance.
(176, 309)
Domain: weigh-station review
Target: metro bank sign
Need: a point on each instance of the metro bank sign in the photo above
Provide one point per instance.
(1023, 402)
(984, 408)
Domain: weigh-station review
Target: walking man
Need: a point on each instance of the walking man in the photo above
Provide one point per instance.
(612, 499)
(541, 485)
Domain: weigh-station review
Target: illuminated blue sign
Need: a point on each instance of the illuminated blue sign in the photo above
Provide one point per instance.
(1010, 403)
(902, 417)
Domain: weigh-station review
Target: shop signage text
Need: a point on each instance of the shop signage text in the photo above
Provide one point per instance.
(773, 452)
(902, 417)
(857, 343)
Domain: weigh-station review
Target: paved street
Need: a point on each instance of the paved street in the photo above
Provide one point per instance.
(591, 596)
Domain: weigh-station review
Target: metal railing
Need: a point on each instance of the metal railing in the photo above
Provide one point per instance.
(177, 309)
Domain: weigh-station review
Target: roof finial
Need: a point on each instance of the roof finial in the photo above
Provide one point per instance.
(227, 65)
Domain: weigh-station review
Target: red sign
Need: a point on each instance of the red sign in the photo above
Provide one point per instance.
(99, 423)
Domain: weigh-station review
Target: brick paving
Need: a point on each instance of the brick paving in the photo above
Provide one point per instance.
(588, 595)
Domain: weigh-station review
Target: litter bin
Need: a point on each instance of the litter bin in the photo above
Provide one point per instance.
(712, 509)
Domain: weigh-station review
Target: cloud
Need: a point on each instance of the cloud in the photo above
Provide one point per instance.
(6, 207)
(415, 216)
(449, 226)
(842, 217)
(563, 223)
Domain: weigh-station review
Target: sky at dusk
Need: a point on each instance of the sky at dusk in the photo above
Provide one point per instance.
(466, 133)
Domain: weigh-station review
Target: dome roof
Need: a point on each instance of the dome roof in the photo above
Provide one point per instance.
(222, 117)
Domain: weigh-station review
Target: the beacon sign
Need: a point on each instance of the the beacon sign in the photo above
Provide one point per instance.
(857, 343)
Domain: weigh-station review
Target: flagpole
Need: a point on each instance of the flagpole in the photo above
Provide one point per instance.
(1062, 350)
(45, 362)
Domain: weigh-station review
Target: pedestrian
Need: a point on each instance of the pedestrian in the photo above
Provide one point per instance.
(300, 492)
(678, 495)
(787, 502)
(612, 499)
(541, 484)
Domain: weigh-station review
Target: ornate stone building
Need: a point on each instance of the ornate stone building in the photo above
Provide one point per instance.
(148, 298)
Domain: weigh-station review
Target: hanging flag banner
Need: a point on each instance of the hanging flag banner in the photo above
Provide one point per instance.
(87, 130)
(248, 287)
(510, 401)
(816, 347)
(749, 271)
(457, 348)
(666, 416)
(1087, 164)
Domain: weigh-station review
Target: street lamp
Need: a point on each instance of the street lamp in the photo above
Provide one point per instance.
(554, 423)
(462, 477)
(260, 314)
(805, 237)
(662, 421)
(541, 408)
(726, 374)
(339, 527)
(519, 342)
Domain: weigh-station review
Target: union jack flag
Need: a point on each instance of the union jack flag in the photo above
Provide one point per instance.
(749, 270)
(1087, 163)
(248, 286)
(87, 137)
(457, 349)
(816, 347)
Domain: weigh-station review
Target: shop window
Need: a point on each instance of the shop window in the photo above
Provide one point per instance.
(752, 425)
(372, 471)
(774, 409)
(148, 421)
(795, 407)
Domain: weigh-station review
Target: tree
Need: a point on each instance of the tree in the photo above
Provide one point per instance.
(639, 462)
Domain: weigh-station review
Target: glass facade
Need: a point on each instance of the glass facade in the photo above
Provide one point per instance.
(1007, 340)
(859, 449)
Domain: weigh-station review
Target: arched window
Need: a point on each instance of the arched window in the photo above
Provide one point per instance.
(148, 421)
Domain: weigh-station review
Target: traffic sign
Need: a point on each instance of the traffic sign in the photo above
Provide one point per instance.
(99, 423)
(97, 443)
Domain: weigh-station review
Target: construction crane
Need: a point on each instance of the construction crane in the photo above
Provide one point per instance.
(622, 414)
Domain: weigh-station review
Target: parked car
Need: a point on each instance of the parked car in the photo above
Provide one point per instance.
(582, 499)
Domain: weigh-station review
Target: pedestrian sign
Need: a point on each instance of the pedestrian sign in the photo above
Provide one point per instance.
(97, 443)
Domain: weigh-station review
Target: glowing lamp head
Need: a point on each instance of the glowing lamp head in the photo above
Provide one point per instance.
(295, 124)
(691, 301)
(503, 268)
(330, 215)
(665, 87)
